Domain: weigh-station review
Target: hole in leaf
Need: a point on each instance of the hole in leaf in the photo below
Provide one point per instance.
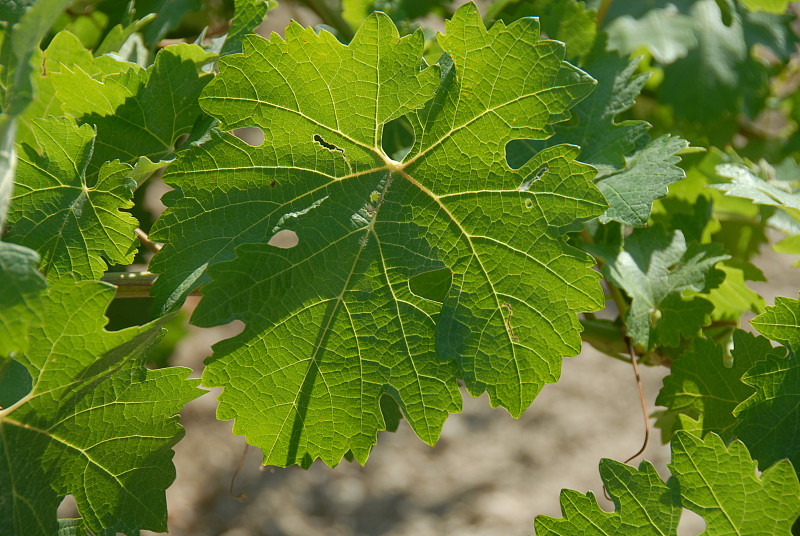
(284, 239)
(328, 146)
(520, 151)
(398, 138)
(432, 285)
(690, 524)
(15, 381)
(252, 136)
(529, 203)
(68, 507)
(391, 412)
(525, 186)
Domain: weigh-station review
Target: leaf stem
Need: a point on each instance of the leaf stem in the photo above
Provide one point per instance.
(146, 242)
(602, 11)
(632, 355)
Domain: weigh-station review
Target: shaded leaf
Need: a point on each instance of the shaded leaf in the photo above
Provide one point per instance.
(95, 424)
(73, 221)
(370, 224)
(655, 268)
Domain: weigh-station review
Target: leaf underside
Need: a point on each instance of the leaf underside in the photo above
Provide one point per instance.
(346, 317)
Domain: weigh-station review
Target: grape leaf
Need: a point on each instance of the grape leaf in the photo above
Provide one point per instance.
(654, 268)
(643, 504)
(65, 50)
(629, 184)
(96, 424)
(371, 224)
(664, 32)
(770, 419)
(718, 483)
(19, 291)
(702, 386)
(769, 6)
(747, 185)
(604, 142)
(248, 15)
(139, 114)
(630, 191)
(18, 42)
(733, 297)
(725, 77)
(566, 20)
(71, 220)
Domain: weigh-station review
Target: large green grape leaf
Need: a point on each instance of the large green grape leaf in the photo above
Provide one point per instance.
(73, 221)
(94, 423)
(718, 483)
(655, 268)
(403, 276)
(139, 114)
(706, 387)
(770, 419)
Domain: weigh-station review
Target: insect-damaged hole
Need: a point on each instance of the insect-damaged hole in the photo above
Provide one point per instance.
(284, 239)
(525, 186)
(252, 136)
(397, 138)
(328, 146)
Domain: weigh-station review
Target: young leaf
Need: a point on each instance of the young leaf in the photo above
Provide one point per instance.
(95, 423)
(770, 418)
(65, 50)
(630, 191)
(654, 268)
(73, 221)
(718, 483)
(366, 225)
(745, 184)
(139, 114)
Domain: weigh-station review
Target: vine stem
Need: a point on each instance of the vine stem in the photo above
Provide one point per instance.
(146, 242)
(632, 354)
(602, 11)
